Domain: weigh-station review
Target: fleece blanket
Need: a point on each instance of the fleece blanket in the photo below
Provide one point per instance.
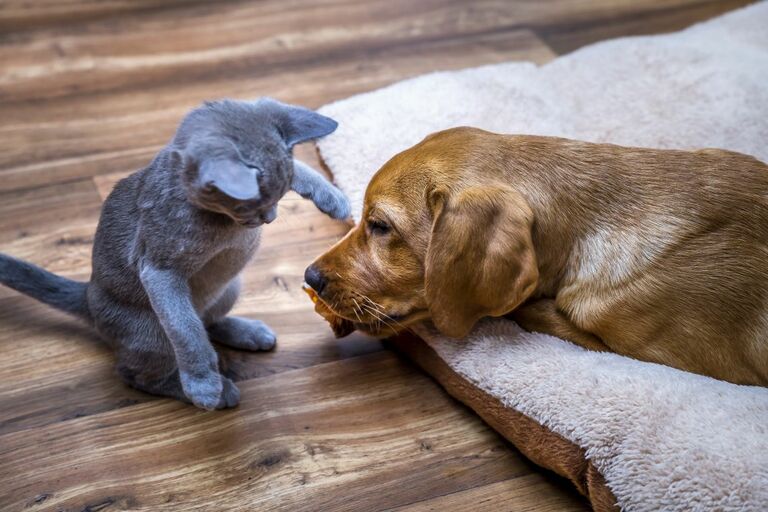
(629, 434)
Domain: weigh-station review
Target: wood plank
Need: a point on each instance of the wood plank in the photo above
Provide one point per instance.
(212, 33)
(121, 131)
(527, 493)
(569, 36)
(51, 226)
(16, 15)
(363, 434)
(27, 214)
(231, 40)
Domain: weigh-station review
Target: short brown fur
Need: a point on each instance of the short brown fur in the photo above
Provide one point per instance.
(654, 254)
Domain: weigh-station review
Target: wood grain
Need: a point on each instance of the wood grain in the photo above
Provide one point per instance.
(569, 36)
(520, 494)
(89, 91)
(105, 133)
(19, 15)
(364, 434)
(51, 226)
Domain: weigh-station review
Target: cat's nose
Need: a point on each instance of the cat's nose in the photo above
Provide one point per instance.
(315, 278)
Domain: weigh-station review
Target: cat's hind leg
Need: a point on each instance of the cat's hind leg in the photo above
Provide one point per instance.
(161, 379)
(235, 331)
(243, 333)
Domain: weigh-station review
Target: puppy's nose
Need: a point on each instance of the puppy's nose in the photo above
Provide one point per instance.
(314, 278)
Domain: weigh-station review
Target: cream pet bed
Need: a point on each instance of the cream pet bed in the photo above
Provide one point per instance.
(628, 434)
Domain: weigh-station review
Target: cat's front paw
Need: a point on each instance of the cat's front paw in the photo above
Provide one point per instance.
(230, 396)
(334, 203)
(203, 391)
(243, 333)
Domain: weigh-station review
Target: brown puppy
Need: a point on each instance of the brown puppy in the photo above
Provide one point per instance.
(655, 254)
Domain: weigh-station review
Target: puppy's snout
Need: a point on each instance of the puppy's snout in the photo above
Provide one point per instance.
(315, 278)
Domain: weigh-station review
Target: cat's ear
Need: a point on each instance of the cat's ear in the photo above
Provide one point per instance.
(227, 175)
(299, 124)
(233, 178)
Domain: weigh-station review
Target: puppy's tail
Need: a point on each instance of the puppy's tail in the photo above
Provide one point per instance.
(59, 292)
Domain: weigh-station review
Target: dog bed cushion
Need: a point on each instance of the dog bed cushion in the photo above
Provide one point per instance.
(628, 434)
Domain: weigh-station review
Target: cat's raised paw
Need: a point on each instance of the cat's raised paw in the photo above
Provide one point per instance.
(334, 203)
(243, 333)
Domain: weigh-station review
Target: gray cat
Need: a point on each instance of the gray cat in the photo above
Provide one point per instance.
(173, 238)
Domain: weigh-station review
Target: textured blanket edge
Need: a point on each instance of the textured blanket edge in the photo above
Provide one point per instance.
(538, 443)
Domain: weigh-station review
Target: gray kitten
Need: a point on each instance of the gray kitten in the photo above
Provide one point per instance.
(173, 238)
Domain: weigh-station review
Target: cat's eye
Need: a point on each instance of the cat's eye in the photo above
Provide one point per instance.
(377, 227)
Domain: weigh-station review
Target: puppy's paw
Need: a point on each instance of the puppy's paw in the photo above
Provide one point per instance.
(230, 397)
(334, 203)
(203, 391)
(243, 333)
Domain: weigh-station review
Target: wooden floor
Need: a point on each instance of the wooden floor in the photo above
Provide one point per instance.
(89, 90)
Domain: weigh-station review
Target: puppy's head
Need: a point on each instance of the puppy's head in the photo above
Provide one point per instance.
(442, 237)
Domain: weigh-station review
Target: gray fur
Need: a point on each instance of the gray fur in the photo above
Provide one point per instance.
(307, 182)
(56, 291)
(173, 239)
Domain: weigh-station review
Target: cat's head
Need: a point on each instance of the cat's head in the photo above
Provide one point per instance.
(236, 156)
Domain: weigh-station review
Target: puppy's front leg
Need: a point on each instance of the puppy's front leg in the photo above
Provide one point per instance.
(543, 316)
(198, 362)
(310, 184)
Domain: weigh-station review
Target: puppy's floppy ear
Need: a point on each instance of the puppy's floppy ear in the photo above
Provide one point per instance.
(480, 259)
(299, 124)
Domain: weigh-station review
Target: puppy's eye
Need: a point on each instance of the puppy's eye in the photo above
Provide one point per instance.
(377, 227)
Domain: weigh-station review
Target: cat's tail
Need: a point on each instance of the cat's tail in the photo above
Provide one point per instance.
(61, 293)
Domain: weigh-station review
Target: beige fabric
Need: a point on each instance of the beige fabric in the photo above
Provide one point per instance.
(702, 87)
(534, 440)
(661, 438)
